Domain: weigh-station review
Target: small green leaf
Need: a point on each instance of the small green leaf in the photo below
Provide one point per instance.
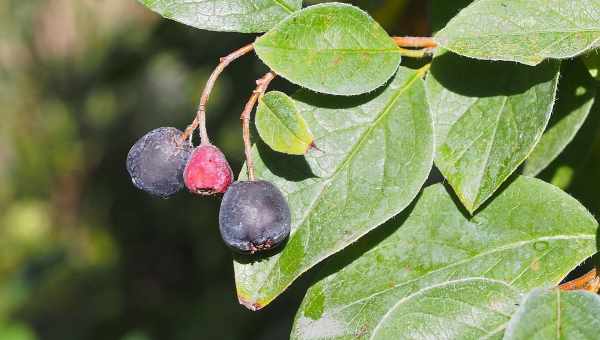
(246, 16)
(554, 314)
(576, 94)
(488, 117)
(526, 31)
(592, 61)
(281, 126)
(375, 152)
(418, 275)
(330, 48)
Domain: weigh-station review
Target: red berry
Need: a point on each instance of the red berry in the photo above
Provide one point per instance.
(207, 171)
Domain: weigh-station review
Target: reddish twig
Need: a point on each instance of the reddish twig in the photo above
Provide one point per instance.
(261, 87)
(200, 119)
(416, 42)
(589, 282)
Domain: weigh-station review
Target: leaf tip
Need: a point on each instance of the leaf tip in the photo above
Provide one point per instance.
(248, 303)
(312, 146)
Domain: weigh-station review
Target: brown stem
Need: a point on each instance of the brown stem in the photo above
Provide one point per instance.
(588, 281)
(417, 42)
(261, 87)
(200, 119)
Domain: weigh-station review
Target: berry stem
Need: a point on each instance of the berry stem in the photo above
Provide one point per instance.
(200, 119)
(418, 42)
(261, 87)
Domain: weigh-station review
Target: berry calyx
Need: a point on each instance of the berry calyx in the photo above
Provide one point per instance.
(254, 217)
(207, 171)
(156, 161)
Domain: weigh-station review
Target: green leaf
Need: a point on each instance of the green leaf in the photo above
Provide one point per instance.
(330, 48)
(576, 94)
(246, 16)
(554, 314)
(592, 61)
(418, 275)
(281, 126)
(375, 153)
(472, 309)
(488, 117)
(526, 31)
(576, 168)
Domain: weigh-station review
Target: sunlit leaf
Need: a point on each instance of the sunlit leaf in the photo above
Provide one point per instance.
(437, 273)
(554, 314)
(330, 48)
(526, 31)
(246, 16)
(488, 117)
(576, 95)
(375, 152)
(281, 126)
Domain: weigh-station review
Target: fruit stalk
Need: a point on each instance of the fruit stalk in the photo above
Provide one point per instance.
(261, 88)
(200, 119)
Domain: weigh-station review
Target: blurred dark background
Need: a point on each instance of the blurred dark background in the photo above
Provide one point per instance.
(83, 254)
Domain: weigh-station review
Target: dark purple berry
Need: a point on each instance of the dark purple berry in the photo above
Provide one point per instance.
(157, 160)
(254, 216)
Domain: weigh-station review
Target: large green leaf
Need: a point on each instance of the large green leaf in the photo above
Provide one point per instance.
(281, 126)
(247, 16)
(526, 31)
(418, 276)
(554, 314)
(488, 117)
(471, 309)
(330, 48)
(375, 152)
(576, 95)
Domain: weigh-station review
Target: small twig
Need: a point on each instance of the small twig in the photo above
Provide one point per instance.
(427, 52)
(200, 119)
(261, 87)
(589, 281)
(417, 42)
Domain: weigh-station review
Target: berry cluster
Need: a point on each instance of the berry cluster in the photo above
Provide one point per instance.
(254, 215)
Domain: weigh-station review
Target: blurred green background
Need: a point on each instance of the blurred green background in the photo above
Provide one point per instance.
(83, 254)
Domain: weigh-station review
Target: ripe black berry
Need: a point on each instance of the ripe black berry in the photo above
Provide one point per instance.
(254, 216)
(157, 160)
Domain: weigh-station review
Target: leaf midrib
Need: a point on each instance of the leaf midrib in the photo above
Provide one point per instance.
(394, 50)
(280, 3)
(327, 181)
(516, 34)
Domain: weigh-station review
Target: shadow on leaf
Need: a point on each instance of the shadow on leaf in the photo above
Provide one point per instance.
(478, 78)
